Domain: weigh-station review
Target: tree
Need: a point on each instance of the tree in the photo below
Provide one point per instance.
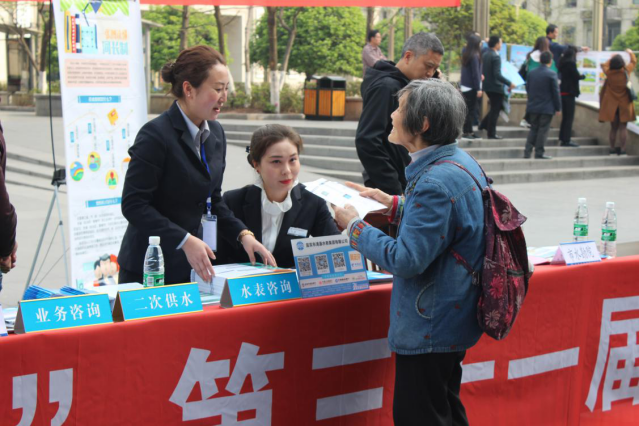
(452, 25)
(627, 40)
(202, 29)
(393, 34)
(36, 53)
(328, 41)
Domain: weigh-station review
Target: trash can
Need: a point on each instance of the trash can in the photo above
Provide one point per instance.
(325, 98)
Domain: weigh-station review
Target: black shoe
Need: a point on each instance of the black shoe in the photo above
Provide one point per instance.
(622, 153)
(526, 156)
(495, 137)
(469, 136)
(618, 150)
(612, 151)
(570, 144)
(543, 157)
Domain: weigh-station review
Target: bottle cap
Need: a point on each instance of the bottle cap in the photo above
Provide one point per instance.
(581, 201)
(610, 205)
(154, 241)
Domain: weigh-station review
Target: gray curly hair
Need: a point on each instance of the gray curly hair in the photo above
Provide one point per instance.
(440, 103)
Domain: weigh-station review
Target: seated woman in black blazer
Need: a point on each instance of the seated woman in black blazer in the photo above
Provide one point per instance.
(177, 162)
(277, 208)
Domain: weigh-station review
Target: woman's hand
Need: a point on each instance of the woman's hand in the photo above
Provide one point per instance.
(198, 254)
(629, 51)
(480, 94)
(375, 194)
(251, 246)
(346, 214)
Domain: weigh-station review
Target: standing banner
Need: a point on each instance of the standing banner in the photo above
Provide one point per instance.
(517, 58)
(589, 64)
(104, 106)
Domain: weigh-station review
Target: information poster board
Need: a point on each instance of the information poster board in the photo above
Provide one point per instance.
(517, 58)
(103, 107)
(328, 265)
(589, 64)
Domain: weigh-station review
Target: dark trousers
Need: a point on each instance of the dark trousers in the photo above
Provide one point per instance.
(427, 390)
(567, 117)
(490, 120)
(471, 105)
(539, 126)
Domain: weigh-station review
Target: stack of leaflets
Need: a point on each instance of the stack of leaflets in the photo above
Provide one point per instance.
(36, 292)
(378, 277)
(70, 291)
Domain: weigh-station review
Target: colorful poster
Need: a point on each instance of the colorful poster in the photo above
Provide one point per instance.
(328, 265)
(103, 106)
(589, 64)
(517, 58)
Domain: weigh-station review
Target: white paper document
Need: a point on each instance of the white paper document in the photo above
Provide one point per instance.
(340, 195)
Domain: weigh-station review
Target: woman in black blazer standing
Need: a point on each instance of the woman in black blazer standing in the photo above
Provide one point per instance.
(177, 165)
(569, 89)
(277, 208)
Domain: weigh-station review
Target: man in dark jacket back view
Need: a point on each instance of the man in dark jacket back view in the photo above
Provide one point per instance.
(384, 162)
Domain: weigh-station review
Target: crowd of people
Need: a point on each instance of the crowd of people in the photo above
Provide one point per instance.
(552, 85)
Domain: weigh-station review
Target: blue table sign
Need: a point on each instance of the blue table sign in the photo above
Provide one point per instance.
(328, 265)
(256, 289)
(155, 302)
(57, 313)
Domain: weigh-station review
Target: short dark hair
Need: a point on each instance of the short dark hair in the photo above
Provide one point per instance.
(545, 58)
(371, 34)
(192, 65)
(617, 62)
(269, 135)
(551, 28)
(493, 41)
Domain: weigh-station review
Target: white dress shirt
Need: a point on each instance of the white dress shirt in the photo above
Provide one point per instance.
(272, 216)
(199, 135)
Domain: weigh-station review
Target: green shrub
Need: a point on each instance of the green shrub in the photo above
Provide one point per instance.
(290, 100)
(239, 99)
(353, 88)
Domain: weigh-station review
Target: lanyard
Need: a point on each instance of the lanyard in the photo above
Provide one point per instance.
(208, 200)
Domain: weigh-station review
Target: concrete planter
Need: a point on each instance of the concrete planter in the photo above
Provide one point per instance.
(42, 105)
(5, 98)
(22, 99)
(353, 108)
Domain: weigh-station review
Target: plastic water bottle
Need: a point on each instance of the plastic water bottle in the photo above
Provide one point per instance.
(580, 227)
(153, 264)
(609, 231)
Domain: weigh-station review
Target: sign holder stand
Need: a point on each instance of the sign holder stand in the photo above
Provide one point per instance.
(59, 178)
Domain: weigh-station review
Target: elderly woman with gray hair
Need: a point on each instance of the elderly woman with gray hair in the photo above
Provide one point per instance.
(433, 312)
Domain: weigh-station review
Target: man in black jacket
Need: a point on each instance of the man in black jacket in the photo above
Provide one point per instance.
(543, 103)
(384, 162)
(493, 86)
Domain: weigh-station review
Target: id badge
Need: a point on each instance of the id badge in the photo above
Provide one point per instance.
(209, 231)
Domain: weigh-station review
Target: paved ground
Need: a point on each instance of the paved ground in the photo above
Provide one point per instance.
(549, 206)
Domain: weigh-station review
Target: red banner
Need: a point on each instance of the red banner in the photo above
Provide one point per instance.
(312, 3)
(570, 360)
(304, 3)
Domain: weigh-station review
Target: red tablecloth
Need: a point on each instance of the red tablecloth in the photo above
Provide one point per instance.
(324, 361)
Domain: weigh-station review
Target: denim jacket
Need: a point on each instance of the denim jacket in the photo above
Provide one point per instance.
(433, 301)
